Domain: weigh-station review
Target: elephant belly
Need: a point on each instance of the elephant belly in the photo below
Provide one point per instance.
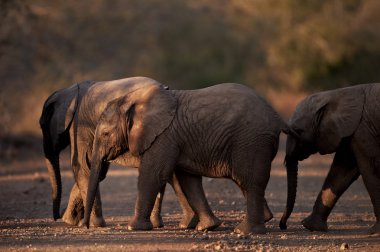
(211, 169)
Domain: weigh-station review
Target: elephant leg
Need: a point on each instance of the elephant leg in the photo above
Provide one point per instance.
(155, 216)
(189, 219)
(254, 219)
(370, 173)
(343, 172)
(155, 170)
(75, 208)
(96, 219)
(268, 215)
(193, 191)
(253, 181)
(82, 171)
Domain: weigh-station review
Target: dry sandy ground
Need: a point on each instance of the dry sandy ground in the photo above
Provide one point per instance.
(26, 223)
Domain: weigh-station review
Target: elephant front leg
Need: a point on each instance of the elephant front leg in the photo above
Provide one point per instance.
(195, 196)
(153, 174)
(268, 215)
(148, 188)
(342, 174)
(96, 219)
(155, 216)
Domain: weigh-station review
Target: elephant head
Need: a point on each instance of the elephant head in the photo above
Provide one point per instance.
(130, 123)
(321, 121)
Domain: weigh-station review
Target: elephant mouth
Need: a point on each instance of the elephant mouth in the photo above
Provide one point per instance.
(304, 150)
(114, 154)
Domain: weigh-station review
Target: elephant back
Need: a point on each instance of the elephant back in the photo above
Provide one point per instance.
(229, 104)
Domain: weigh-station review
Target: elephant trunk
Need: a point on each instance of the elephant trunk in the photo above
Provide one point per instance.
(291, 164)
(52, 163)
(93, 184)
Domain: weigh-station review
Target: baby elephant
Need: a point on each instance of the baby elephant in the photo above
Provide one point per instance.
(345, 121)
(224, 131)
(69, 118)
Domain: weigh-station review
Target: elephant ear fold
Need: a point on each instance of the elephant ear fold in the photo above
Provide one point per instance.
(149, 111)
(341, 117)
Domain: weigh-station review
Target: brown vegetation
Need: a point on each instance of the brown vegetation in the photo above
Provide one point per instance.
(286, 46)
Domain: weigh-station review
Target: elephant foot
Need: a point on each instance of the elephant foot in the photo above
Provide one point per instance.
(375, 229)
(315, 224)
(94, 222)
(70, 221)
(245, 228)
(72, 217)
(189, 221)
(157, 221)
(209, 224)
(136, 224)
(268, 215)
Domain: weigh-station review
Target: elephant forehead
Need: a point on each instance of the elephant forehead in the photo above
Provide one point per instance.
(300, 119)
(145, 93)
(106, 91)
(308, 107)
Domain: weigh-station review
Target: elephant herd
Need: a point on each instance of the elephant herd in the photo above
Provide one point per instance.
(223, 131)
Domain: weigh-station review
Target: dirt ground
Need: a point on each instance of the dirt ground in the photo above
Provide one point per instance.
(26, 222)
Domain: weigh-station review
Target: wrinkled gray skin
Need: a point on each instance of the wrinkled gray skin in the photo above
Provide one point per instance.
(345, 121)
(70, 116)
(224, 131)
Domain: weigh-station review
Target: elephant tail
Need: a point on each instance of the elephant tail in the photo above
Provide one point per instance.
(52, 145)
(292, 172)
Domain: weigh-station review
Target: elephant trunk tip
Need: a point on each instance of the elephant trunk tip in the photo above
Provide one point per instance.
(291, 164)
(56, 216)
(86, 222)
(283, 225)
(56, 207)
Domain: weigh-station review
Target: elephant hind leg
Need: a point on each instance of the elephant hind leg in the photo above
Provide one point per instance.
(268, 215)
(189, 219)
(370, 170)
(253, 183)
(343, 172)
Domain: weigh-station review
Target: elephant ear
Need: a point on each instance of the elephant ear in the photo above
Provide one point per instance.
(149, 111)
(339, 117)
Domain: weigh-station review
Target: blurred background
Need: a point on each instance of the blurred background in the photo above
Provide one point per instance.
(284, 49)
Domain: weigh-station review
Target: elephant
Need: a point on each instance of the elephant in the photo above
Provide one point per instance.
(69, 117)
(224, 131)
(346, 122)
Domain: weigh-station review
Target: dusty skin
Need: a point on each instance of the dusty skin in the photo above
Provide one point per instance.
(26, 222)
